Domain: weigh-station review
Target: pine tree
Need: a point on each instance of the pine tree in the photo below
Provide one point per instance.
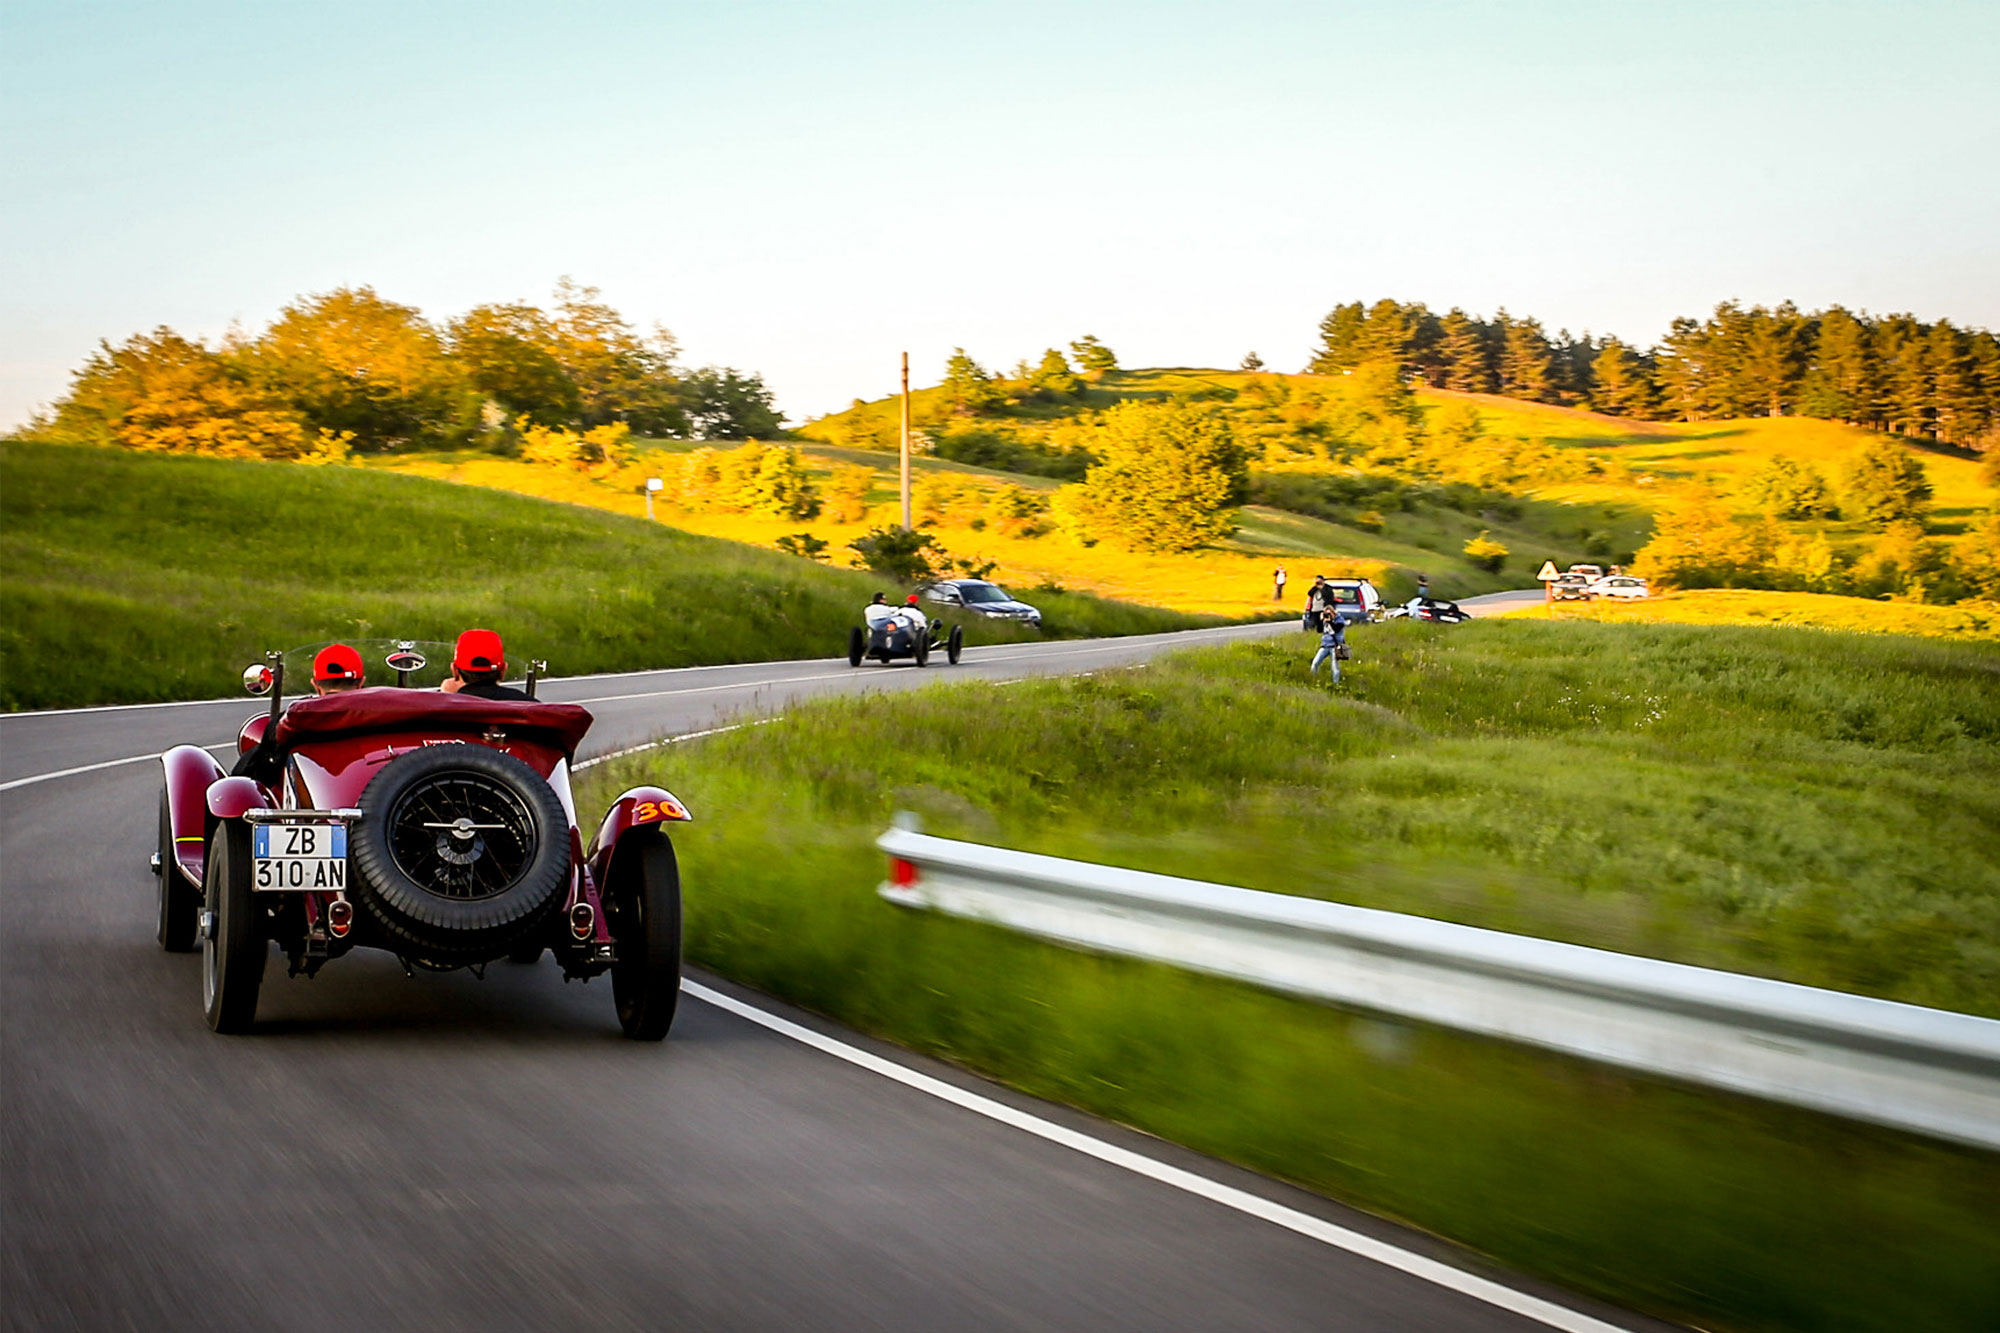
(1842, 382)
(1957, 405)
(1052, 379)
(1093, 358)
(1464, 354)
(1341, 336)
(967, 387)
(1771, 359)
(1524, 360)
(1623, 386)
(1685, 371)
(1907, 398)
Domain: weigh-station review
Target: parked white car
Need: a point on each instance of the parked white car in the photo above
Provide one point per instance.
(1618, 585)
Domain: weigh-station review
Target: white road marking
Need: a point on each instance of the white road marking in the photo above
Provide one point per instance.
(710, 689)
(92, 768)
(674, 740)
(1305, 1224)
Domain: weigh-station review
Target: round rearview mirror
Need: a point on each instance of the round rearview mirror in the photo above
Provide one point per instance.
(405, 659)
(257, 678)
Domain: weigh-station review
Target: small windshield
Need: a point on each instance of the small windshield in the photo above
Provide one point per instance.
(983, 592)
(1349, 595)
(374, 657)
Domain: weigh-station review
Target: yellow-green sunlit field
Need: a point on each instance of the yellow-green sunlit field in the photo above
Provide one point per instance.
(1745, 606)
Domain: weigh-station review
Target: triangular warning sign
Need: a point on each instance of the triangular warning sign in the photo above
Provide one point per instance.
(1548, 574)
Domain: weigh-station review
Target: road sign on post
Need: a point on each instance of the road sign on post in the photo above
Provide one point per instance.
(652, 487)
(1548, 576)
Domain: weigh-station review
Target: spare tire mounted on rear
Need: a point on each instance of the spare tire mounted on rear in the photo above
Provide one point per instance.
(460, 849)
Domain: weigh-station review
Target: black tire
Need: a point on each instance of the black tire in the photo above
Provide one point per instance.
(233, 953)
(180, 901)
(954, 644)
(857, 644)
(458, 897)
(922, 649)
(643, 902)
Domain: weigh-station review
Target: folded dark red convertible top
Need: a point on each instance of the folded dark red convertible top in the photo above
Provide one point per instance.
(385, 708)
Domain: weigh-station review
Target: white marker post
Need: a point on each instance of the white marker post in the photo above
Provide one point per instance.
(652, 488)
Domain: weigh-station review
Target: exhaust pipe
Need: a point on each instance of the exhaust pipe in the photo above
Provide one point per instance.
(339, 918)
(582, 921)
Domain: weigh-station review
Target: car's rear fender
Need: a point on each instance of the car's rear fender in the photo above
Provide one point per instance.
(190, 772)
(636, 809)
(232, 798)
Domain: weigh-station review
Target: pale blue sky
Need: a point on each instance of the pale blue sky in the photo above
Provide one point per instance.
(807, 189)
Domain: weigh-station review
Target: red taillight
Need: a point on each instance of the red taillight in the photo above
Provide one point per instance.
(582, 921)
(902, 873)
(339, 918)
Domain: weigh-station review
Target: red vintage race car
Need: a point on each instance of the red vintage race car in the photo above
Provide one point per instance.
(438, 827)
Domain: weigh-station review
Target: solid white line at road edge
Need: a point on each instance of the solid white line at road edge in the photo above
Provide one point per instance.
(1305, 1224)
(92, 768)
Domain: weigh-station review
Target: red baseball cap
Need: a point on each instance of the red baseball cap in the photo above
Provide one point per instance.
(479, 650)
(337, 661)
(911, 600)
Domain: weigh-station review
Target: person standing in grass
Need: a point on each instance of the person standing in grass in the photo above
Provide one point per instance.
(1278, 585)
(1332, 641)
(1424, 586)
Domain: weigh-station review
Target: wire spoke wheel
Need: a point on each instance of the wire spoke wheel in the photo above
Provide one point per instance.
(462, 836)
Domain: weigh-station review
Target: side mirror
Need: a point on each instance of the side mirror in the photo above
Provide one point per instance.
(257, 678)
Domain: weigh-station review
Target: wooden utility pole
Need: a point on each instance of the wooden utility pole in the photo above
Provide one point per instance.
(906, 442)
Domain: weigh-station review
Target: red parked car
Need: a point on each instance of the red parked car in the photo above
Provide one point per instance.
(438, 827)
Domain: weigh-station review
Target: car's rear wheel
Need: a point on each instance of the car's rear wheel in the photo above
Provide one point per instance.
(180, 901)
(922, 649)
(233, 946)
(857, 643)
(643, 901)
(462, 852)
(954, 644)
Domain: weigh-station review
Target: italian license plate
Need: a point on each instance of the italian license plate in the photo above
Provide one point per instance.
(298, 857)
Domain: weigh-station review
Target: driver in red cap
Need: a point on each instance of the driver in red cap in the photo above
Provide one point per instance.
(476, 665)
(336, 669)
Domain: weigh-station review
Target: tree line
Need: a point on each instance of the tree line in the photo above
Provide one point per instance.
(1894, 373)
(349, 370)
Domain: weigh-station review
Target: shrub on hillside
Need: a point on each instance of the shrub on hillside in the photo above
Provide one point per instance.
(1885, 484)
(1486, 553)
(600, 451)
(1170, 479)
(905, 555)
(845, 493)
(754, 479)
(162, 393)
(1784, 488)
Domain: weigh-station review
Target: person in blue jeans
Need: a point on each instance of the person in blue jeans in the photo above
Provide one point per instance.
(1332, 638)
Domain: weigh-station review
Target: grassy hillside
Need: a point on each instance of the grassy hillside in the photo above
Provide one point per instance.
(1806, 805)
(1591, 495)
(131, 577)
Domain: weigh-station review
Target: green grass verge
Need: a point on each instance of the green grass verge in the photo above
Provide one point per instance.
(1805, 805)
(134, 577)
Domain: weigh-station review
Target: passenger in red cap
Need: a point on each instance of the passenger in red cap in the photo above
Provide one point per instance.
(476, 664)
(336, 669)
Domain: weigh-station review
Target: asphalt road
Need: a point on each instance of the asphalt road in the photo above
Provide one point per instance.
(446, 1153)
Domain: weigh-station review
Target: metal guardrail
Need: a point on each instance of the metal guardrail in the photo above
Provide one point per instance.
(1902, 1065)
